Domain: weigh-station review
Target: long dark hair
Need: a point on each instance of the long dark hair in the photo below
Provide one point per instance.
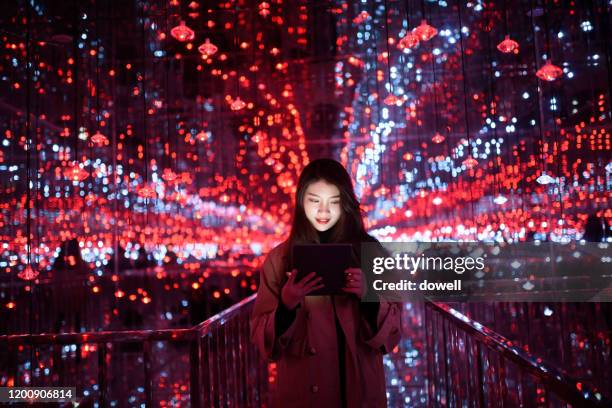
(348, 229)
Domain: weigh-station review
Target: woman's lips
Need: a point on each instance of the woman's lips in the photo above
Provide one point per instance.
(322, 221)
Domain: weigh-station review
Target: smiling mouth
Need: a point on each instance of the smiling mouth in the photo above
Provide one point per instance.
(322, 221)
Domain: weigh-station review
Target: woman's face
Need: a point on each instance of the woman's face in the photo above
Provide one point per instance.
(322, 205)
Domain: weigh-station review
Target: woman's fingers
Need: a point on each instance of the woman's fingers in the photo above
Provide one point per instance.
(314, 282)
(290, 276)
(309, 278)
(320, 286)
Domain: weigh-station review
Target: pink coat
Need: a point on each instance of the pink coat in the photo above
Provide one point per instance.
(307, 352)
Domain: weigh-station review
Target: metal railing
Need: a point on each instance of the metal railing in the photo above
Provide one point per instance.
(576, 336)
(224, 367)
(471, 365)
(217, 365)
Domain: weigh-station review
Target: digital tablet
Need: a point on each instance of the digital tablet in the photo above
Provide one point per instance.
(327, 260)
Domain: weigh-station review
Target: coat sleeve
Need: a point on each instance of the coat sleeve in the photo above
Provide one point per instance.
(387, 332)
(271, 325)
(380, 326)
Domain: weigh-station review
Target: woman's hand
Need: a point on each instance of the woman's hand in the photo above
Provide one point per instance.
(293, 293)
(354, 282)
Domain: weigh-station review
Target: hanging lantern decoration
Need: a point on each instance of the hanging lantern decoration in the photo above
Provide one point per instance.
(500, 200)
(361, 17)
(207, 48)
(508, 45)
(75, 172)
(437, 138)
(549, 72)
(545, 179)
(28, 273)
(470, 162)
(146, 191)
(424, 31)
(182, 33)
(237, 104)
(99, 139)
(391, 100)
(202, 136)
(169, 176)
(264, 9)
(436, 201)
(410, 40)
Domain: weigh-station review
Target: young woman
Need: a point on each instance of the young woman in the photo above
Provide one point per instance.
(328, 348)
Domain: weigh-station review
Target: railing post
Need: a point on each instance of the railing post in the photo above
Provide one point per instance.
(445, 356)
(194, 372)
(501, 377)
(429, 351)
(148, 386)
(205, 370)
(481, 399)
(102, 372)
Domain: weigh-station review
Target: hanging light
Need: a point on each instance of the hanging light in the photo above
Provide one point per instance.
(146, 191)
(470, 162)
(99, 139)
(437, 138)
(264, 9)
(424, 31)
(207, 48)
(549, 72)
(169, 176)
(75, 172)
(500, 200)
(545, 179)
(437, 201)
(361, 17)
(528, 285)
(391, 100)
(28, 273)
(237, 104)
(91, 198)
(410, 40)
(202, 136)
(182, 33)
(508, 45)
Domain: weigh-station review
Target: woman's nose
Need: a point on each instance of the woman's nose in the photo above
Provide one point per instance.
(324, 207)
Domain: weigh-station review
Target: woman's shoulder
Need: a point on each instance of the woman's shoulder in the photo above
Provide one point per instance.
(278, 254)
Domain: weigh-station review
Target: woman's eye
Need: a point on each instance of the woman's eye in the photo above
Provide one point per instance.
(336, 202)
(313, 201)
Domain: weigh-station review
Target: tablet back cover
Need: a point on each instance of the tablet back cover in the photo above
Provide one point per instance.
(328, 260)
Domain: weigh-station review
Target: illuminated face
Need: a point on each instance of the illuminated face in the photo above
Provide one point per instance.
(322, 205)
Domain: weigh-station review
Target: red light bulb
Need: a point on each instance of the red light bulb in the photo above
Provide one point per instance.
(207, 48)
(410, 40)
(182, 33)
(99, 139)
(237, 104)
(507, 45)
(424, 31)
(549, 72)
(28, 273)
